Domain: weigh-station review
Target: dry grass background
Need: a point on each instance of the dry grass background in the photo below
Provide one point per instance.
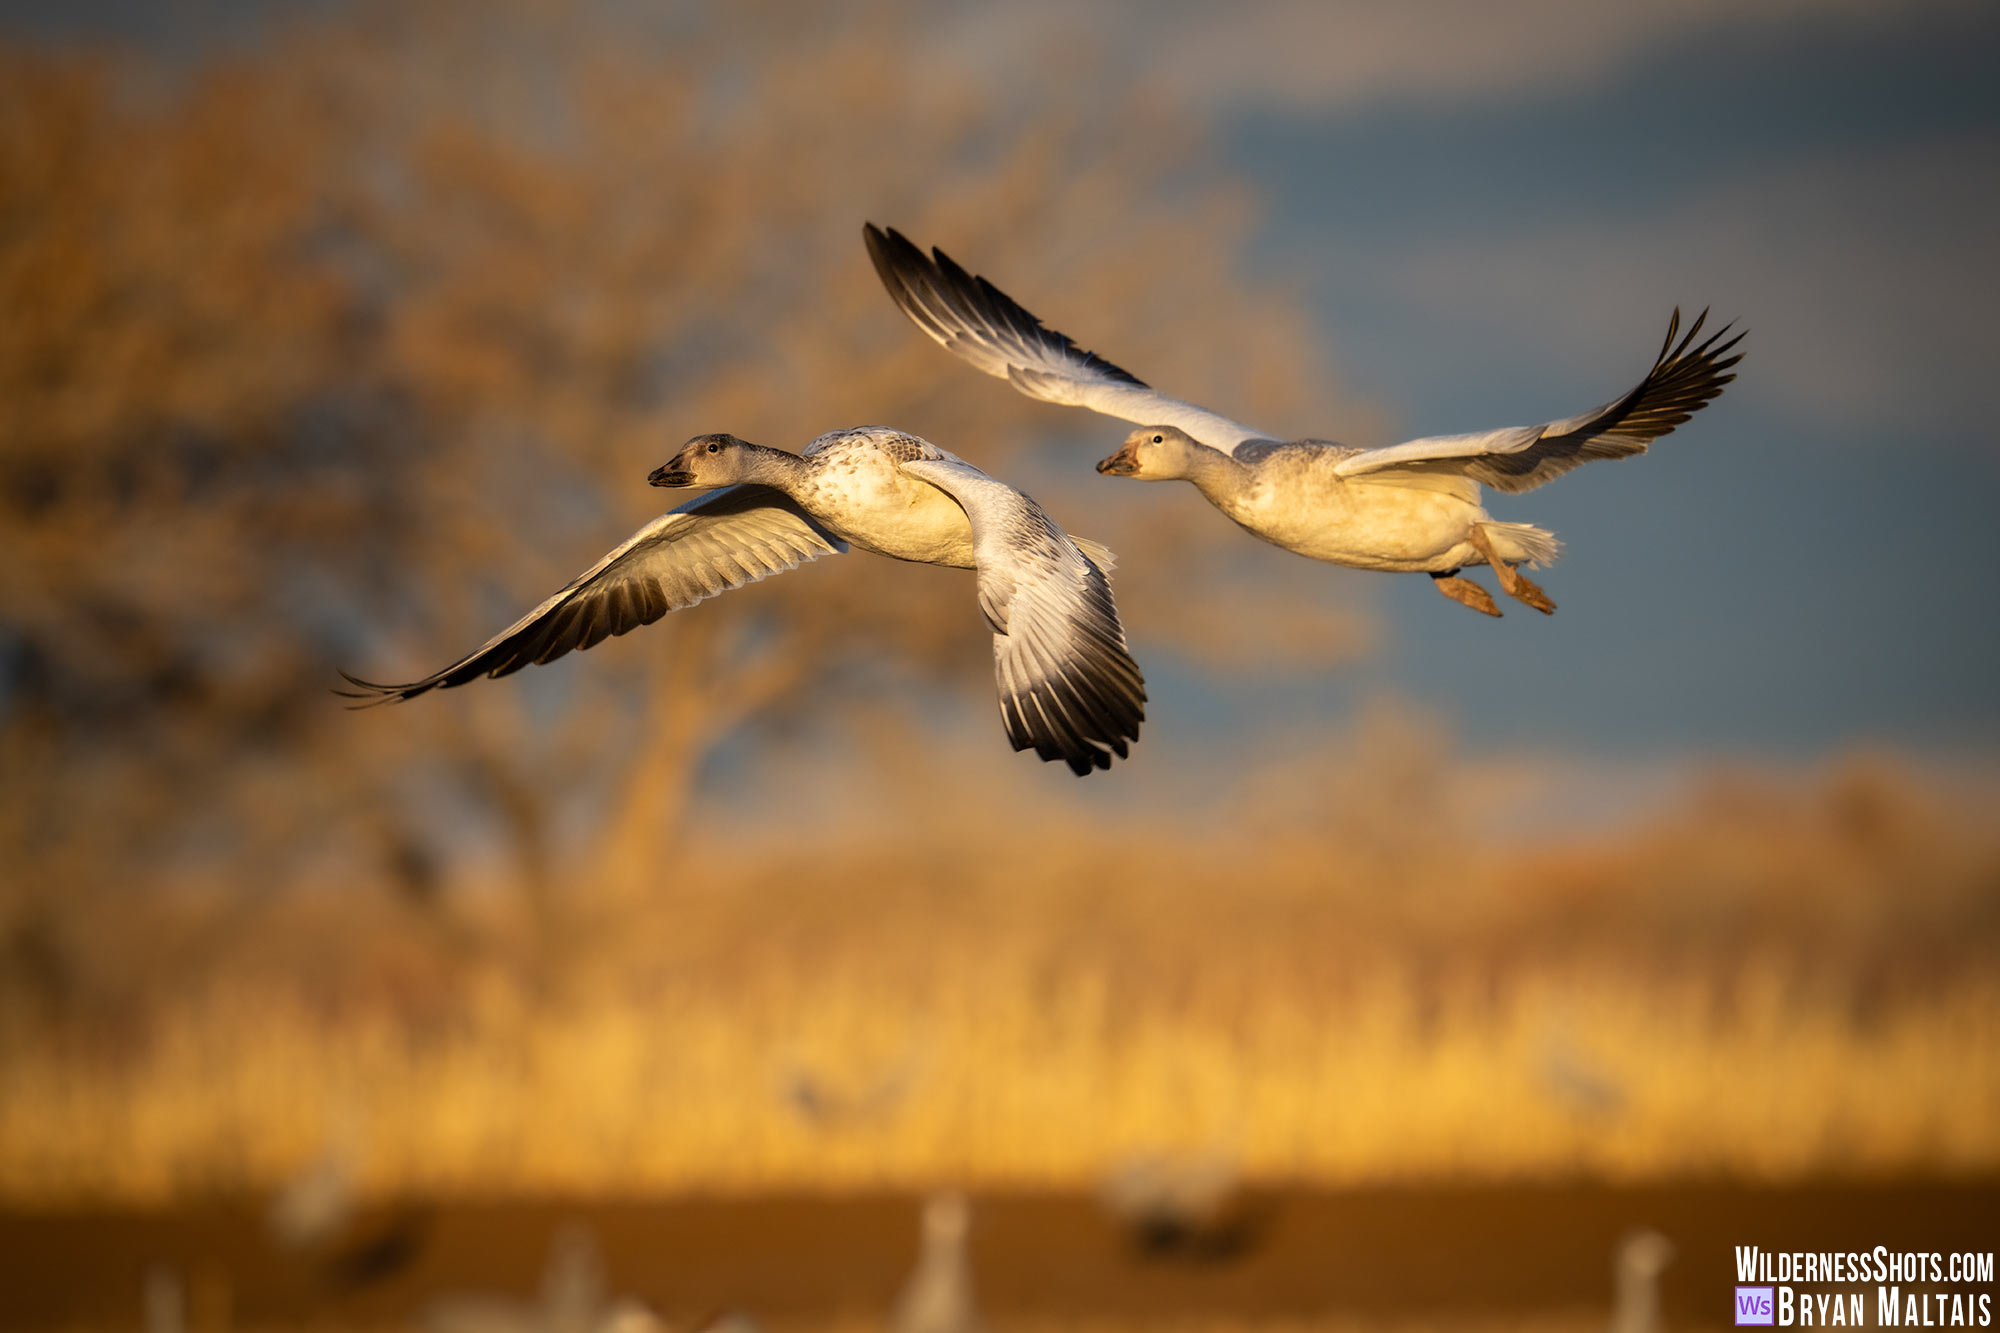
(1775, 981)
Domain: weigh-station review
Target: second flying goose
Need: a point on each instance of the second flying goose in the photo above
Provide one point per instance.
(1413, 506)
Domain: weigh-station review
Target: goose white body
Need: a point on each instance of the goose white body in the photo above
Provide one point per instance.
(858, 487)
(1295, 497)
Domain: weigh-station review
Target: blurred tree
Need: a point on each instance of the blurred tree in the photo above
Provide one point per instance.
(346, 348)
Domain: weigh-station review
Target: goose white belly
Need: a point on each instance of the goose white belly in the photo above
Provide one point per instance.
(866, 497)
(1365, 525)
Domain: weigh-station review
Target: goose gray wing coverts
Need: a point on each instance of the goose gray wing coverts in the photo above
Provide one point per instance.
(710, 545)
(1068, 685)
(1683, 380)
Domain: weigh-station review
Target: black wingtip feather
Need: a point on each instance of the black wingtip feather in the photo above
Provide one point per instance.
(373, 694)
(1059, 719)
(1686, 377)
(910, 277)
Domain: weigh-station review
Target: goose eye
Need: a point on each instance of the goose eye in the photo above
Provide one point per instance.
(714, 448)
(1159, 439)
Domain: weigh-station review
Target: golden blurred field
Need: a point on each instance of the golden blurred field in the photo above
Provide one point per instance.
(1776, 980)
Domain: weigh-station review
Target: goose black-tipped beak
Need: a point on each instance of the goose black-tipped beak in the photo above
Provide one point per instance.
(1120, 464)
(667, 475)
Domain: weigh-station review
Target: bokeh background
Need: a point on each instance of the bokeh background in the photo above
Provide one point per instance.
(336, 336)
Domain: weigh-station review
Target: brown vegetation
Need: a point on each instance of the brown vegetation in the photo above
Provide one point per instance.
(1366, 1001)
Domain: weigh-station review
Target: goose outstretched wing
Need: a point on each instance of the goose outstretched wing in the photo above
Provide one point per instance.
(1685, 378)
(719, 541)
(1068, 685)
(970, 316)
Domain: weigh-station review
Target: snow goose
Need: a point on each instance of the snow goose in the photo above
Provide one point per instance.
(1068, 686)
(1411, 506)
(1189, 1205)
(574, 1298)
(937, 1297)
(1642, 1256)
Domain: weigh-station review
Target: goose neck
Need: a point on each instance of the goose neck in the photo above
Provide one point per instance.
(776, 468)
(1216, 474)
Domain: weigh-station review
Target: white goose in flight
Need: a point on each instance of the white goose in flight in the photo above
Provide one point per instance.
(1411, 506)
(1068, 686)
(937, 1297)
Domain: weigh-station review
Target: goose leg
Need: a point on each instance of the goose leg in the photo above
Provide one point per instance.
(1465, 592)
(1512, 581)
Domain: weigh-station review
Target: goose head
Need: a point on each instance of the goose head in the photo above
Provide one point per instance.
(705, 461)
(1153, 453)
(947, 1217)
(1643, 1255)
